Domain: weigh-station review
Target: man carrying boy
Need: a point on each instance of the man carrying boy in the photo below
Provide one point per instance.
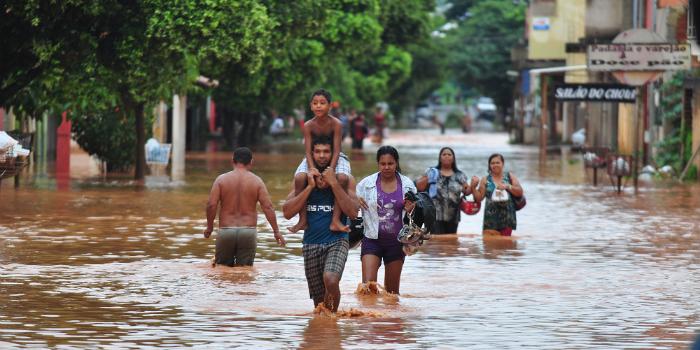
(325, 251)
(322, 124)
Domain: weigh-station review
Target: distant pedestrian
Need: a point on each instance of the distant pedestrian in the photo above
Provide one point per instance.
(446, 185)
(379, 125)
(236, 193)
(467, 119)
(440, 121)
(277, 127)
(351, 116)
(345, 121)
(499, 187)
(359, 131)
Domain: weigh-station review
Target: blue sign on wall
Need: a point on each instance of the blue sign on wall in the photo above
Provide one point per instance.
(540, 23)
(525, 82)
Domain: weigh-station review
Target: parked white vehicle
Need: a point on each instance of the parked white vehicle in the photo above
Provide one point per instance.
(485, 108)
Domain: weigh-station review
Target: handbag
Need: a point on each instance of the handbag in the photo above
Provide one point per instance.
(357, 232)
(469, 207)
(519, 202)
(424, 213)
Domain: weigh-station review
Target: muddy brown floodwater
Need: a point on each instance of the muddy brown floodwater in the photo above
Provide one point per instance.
(103, 263)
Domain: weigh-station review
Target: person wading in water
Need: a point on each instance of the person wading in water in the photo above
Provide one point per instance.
(238, 192)
(325, 251)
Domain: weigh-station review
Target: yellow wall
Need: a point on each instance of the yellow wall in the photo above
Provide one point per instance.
(576, 76)
(566, 25)
(625, 128)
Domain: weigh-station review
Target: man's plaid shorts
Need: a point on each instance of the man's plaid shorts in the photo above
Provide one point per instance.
(320, 258)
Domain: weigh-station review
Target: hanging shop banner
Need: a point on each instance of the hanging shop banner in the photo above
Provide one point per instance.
(595, 92)
(638, 57)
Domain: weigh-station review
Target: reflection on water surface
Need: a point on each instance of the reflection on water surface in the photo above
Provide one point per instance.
(109, 263)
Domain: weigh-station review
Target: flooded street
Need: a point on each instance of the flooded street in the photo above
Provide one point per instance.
(106, 264)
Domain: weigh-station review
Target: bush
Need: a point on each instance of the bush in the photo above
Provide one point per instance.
(671, 111)
(110, 136)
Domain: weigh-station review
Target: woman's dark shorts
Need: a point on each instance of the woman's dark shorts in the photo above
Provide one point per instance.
(386, 247)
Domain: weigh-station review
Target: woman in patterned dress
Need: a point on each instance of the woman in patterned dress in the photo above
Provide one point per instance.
(446, 184)
(498, 188)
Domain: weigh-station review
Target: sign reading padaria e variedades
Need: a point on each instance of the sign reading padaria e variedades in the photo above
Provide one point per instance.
(638, 57)
(595, 92)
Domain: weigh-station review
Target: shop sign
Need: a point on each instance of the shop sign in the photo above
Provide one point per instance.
(540, 23)
(595, 92)
(638, 57)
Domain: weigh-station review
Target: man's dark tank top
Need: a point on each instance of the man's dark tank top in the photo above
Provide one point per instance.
(319, 213)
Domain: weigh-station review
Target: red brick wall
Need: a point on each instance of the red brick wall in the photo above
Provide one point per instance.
(682, 28)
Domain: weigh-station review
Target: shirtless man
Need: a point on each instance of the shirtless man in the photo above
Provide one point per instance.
(238, 191)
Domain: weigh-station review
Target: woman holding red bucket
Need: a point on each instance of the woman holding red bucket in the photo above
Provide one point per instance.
(448, 186)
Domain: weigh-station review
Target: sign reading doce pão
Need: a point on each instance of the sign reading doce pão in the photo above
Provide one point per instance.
(595, 92)
(638, 57)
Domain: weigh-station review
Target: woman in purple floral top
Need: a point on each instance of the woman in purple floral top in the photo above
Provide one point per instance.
(381, 198)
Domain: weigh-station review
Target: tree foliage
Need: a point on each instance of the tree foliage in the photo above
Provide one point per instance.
(428, 72)
(355, 49)
(479, 49)
(93, 58)
(132, 53)
(381, 75)
(672, 112)
(109, 135)
(459, 9)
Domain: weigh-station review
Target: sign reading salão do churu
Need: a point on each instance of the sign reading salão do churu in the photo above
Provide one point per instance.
(595, 92)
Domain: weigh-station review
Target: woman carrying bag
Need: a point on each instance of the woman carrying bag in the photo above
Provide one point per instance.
(382, 199)
(446, 185)
(504, 196)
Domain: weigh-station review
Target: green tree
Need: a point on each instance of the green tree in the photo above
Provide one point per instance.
(150, 49)
(134, 52)
(309, 41)
(109, 134)
(676, 147)
(93, 57)
(356, 49)
(381, 74)
(458, 9)
(428, 72)
(479, 48)
(45, 45)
